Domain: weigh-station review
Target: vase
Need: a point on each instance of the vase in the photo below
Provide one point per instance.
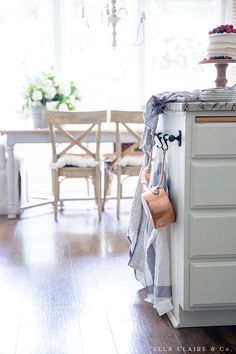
(37, 117)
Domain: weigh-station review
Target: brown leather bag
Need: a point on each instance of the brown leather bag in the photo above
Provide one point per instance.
(156, 203)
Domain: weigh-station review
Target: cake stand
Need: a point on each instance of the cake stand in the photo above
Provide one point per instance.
(221, 66)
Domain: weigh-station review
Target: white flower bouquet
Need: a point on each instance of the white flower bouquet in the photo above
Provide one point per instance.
(46, 90)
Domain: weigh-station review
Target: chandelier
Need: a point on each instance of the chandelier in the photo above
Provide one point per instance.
(114, 17)
(111, 12)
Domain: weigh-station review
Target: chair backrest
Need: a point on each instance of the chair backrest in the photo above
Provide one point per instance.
(58, 120)
(131, 121)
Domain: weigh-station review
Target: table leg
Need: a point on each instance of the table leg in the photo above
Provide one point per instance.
(12, 195)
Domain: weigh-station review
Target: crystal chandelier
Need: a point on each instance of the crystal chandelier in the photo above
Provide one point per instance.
(114, 18)
(113, 15)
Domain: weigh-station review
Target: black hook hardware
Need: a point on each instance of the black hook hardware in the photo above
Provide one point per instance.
(177, 138)
(159, 137)
(166, 137)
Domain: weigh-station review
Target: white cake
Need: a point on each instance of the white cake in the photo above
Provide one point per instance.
(222, 43)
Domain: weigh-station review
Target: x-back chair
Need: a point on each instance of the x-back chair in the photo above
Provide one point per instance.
(126, 161)
(75, 165)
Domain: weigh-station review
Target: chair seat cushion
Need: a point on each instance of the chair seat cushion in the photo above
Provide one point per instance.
(129, 161)
(132, 159)
(75, 160)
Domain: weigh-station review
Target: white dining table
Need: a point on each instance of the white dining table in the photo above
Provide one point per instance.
(42, 136)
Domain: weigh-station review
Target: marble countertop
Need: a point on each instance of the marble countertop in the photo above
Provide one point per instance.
(201, 106)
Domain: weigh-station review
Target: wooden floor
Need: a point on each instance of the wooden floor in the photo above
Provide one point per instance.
(65, 288)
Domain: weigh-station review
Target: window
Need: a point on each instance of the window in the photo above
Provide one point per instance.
(159, 44)
(25, 37)
(229, 16)
(176, 41)
(107, 76)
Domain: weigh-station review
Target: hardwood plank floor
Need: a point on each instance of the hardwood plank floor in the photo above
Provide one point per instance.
(65, 288)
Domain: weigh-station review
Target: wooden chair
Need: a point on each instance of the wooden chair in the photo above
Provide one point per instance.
(127, 159)
(71, 165)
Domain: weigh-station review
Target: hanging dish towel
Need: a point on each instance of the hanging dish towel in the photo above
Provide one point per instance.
(149, 249)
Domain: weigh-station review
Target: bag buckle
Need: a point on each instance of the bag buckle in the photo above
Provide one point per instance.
(155, 190)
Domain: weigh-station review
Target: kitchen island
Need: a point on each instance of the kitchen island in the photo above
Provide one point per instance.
(202, 174)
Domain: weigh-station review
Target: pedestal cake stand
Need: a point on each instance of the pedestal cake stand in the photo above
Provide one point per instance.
(221, 66)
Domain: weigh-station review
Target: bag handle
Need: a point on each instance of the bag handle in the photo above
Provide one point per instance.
(148, 168)
(156, 190)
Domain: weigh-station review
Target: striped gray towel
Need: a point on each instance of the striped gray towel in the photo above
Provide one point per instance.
(149, 248)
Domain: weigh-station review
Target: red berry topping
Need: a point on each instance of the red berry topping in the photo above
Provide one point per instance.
(222, 29)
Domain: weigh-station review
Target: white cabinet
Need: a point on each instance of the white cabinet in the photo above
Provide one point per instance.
(212, 184)
(212, 235)
(212, 283)
(214, 139)
(203, 240)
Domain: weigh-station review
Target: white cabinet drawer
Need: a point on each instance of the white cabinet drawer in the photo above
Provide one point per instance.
(212, 235)
(214, 140)
(213, 184)
(212, 283)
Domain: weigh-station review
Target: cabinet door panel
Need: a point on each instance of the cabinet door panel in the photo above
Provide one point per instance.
(214, 139)
(212, 235)
(212, 283)
(213, 185)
